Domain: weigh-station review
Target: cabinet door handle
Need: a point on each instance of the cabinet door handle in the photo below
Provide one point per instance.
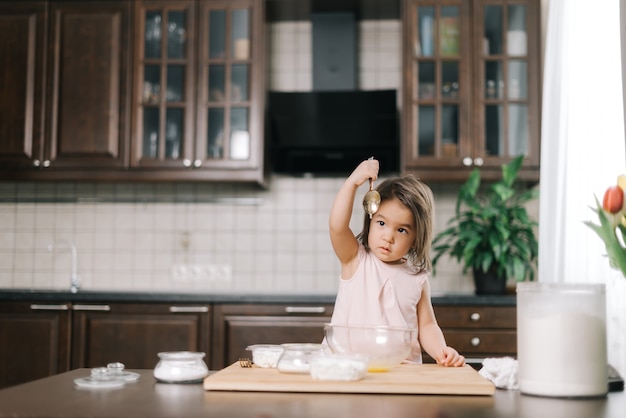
(37, 307)
(188, 309)
(305, 309)
(475, 342)
(101, 308)
(475, 317)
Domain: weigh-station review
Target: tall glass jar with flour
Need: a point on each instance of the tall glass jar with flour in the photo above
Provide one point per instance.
(561, 339)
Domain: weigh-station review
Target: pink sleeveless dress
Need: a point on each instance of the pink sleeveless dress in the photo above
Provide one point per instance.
(380, 294)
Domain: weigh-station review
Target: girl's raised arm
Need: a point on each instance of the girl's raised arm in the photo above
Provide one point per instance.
(342, 238)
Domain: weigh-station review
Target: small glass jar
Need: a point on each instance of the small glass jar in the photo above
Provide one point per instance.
(265, 355)
(181, 367)
(296, 358)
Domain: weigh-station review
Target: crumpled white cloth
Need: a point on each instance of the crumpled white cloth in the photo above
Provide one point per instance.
(502, 372)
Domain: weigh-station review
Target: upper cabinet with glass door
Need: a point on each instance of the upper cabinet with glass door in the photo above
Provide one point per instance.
(231, 95)
(471, 97)
(165, 74)
(200, 96)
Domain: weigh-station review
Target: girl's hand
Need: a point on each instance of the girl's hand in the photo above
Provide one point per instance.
(450, 358)
(368, 169)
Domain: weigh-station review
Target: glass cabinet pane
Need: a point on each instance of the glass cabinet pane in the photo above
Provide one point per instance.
(239, 83)
(449, 130)
(173, 133)
(426, 130)
(494, 131)
(450, 79)
(449, 31)
(175, 83)
(516, 39)
(239, 119)
(240, 34)
(492, 37)
(176, 34)
(517, 80)
(151, 84)
(494, 81)
(152, 36)
(217, 83)
(215, 139)
(239, 136)
(518, 130)
(426, 28)
(217, 33)
(150, 144)
(426, 80)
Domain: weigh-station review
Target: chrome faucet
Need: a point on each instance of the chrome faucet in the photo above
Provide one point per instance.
(74, 278)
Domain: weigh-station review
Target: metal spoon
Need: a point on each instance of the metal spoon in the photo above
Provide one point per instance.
(371, 200)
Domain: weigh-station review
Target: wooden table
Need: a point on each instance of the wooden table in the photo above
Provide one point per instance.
(58, 397)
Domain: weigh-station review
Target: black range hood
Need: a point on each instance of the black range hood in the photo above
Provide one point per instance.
(331, 132)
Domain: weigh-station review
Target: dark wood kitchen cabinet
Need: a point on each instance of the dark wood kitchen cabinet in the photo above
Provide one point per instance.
(125, 90)
(34, 341)
(479, 331)
(23, 34)
(199, 90)
(236, 326)
(66, 111)
(134, 333)
(471, 76)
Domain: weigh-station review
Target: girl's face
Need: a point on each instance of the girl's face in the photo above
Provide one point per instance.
(392, 231)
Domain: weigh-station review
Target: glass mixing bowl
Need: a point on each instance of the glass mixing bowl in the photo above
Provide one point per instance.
(383, 346)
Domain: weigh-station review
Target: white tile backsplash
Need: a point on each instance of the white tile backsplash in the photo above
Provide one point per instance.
(280, 245)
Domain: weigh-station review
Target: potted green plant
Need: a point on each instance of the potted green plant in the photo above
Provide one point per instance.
(491, 232)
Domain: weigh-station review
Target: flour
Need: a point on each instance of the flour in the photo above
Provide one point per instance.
(562, 354)
(338, 368)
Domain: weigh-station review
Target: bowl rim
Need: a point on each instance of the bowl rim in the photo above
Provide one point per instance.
(369, 326)
(266, 347)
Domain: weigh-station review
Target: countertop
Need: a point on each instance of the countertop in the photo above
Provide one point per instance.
(61, 296)
(58, 397)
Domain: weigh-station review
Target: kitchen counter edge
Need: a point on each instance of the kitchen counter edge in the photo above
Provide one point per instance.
(60, 296)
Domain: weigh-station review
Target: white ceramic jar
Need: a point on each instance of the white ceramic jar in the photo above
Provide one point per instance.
(181, 367)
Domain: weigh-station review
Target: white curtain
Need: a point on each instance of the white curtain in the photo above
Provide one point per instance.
(582, 151)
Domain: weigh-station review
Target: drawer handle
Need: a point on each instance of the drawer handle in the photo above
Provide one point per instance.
(36, 307)
(475, 317)
(101, 308)
(475, 342)
(305, 309)
(188, 309)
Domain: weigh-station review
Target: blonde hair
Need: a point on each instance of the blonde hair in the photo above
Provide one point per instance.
(418, 198)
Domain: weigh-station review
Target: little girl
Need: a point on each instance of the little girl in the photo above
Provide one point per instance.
(384, 270)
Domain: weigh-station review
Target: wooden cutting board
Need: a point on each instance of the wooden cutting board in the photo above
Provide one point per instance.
(405, 379)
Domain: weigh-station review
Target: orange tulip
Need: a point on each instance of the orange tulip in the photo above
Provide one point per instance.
(613, 199)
